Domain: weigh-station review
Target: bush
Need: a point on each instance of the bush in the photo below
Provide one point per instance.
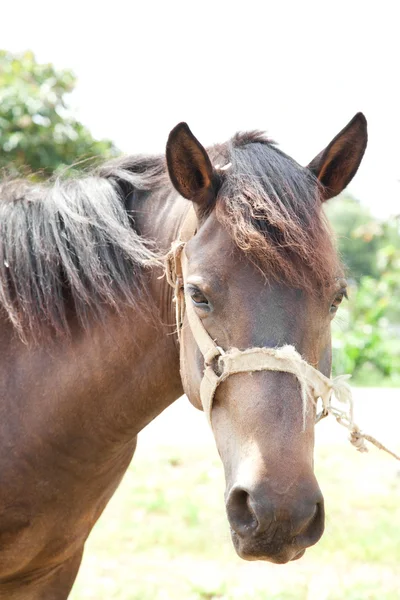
(38, 132)
(366, 338)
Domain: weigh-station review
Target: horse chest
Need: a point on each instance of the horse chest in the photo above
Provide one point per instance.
(49, 506)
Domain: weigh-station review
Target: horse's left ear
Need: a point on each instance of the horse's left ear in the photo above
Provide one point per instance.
(189, 166)
(336, 166)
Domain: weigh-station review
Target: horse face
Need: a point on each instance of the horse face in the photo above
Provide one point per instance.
(264, 434)
(274, 504)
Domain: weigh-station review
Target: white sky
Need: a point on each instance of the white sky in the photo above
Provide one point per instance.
(298, 69)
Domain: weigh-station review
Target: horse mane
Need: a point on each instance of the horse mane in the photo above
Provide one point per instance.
(272, 209)
(73, 239)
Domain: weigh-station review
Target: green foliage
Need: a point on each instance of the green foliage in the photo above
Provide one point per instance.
(358, 235)
(37, 131)
(366, 339)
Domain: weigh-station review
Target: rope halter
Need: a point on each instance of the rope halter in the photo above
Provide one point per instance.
(219, 364)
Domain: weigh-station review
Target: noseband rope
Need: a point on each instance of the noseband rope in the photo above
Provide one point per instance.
(220, 364)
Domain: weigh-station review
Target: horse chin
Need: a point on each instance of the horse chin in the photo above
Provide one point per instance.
(254, 549)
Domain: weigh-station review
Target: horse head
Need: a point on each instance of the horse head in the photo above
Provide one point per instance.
(259, 274)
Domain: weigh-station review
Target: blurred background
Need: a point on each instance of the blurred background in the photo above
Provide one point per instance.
(84, 81)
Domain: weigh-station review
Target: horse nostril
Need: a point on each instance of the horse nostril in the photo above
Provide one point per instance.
(315, 527)
(240, 514)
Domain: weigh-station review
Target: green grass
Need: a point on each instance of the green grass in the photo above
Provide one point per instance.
(164, 535)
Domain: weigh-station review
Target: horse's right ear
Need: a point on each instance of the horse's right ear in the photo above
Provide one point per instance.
(189, 166)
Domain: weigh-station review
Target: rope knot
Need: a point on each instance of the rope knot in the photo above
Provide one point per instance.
(358, 440)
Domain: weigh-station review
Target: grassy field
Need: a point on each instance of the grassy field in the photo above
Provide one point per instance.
(164, 536)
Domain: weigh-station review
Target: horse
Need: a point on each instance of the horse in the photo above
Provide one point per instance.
(89, 338)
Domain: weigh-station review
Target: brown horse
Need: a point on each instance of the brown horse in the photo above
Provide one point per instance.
(89, 352)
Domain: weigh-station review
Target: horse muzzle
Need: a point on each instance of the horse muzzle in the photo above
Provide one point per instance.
(271, 527)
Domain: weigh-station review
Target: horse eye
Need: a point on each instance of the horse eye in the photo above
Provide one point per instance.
(337, 301)
(198, 297)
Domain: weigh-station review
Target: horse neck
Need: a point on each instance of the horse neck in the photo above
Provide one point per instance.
(159, 217)
(111, 380)
(143, 348)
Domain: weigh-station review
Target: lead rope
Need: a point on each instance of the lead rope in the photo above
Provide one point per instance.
(357, 437)
(308, 377)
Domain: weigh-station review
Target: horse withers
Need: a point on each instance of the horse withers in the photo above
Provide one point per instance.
(88, 351)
